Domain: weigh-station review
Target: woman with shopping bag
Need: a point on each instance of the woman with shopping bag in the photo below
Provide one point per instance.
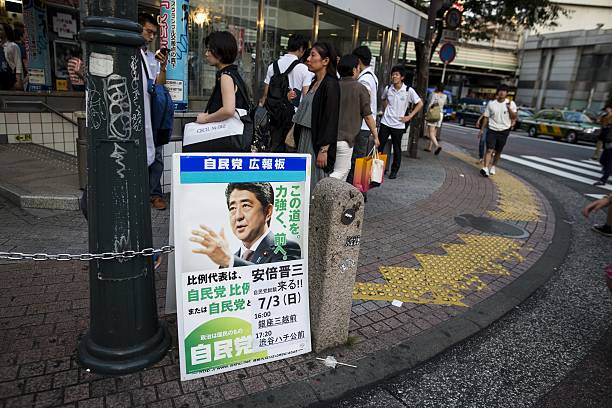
(354, 106)
(227, 111)
(316, 120)
(369, 171)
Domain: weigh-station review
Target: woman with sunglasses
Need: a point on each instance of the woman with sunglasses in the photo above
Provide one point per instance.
(316, 120)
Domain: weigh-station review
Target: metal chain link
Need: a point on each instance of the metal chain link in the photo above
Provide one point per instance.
(18, 256)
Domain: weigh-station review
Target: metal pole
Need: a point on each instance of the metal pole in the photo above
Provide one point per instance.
(444, 72)
(258, 52)
(125, 334)
(355, 33)
(315, 23)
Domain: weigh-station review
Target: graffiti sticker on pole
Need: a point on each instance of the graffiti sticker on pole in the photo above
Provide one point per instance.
(240, 228)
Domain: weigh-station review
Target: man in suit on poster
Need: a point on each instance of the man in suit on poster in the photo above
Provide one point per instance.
(250, 208)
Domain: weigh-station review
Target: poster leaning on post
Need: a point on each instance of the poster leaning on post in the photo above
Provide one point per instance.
(240, 228)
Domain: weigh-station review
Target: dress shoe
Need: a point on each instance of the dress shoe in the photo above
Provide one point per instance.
(158, 203)
(393, 175)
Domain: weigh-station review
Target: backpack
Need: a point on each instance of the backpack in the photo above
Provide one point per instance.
(162, 111)
(280, 109)
(7, 74)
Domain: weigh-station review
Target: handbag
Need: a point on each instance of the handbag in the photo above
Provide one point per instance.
(362, 178)
(225, 136)
(433, 113)
(377, 170)
(290, 138)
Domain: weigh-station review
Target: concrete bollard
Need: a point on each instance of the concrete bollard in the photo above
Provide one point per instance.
(336, 218)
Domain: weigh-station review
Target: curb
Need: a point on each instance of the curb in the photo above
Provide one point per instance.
(322, 389)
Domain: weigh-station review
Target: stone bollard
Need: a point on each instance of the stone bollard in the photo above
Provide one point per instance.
(336, 217)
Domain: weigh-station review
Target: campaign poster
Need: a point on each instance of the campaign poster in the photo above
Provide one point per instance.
(173, 29)
(37, 45)
(240, 231)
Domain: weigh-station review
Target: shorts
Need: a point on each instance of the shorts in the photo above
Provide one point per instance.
(496, 140)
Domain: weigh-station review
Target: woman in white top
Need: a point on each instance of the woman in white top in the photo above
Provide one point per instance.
(438, 97)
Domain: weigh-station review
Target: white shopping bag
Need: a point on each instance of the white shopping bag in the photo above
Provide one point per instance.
(198, 132)
(378, 168)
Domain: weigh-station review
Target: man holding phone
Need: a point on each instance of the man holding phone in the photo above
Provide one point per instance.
(156, 66)
(499, 116)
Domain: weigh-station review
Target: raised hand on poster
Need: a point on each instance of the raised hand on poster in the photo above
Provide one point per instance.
(212, 244)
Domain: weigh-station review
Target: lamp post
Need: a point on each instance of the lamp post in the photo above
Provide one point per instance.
(125, 334)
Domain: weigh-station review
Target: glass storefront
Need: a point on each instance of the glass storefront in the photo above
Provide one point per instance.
(336, 28)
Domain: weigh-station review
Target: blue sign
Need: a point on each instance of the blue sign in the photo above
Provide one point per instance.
(37, 45)
(173, 29)
(241, 169)
(447, 53)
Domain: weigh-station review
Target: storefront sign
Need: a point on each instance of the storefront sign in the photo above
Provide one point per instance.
(240, 229)
(37, 45)
(173, 29)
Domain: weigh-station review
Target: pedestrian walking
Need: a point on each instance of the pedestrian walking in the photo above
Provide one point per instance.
(354, 107)
(221, 52)
(316, 120)
(604, 229)
(286, 74)
(605, 137)
(482, 140)
(499, 115)
(434, 117)
(368, 79)
(396, 99)
(155, 63)
(11, 66)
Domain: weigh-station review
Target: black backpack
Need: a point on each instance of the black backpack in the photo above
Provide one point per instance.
(7, 75)
(279, 108)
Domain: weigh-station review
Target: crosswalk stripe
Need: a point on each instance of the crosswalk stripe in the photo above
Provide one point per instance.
(564, 166)
(588, 162)
(554, 171)
(595, 196)
(591, 165)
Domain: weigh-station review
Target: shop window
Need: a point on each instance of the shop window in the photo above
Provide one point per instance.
(337, 29)
(372, 36)
(236, 16)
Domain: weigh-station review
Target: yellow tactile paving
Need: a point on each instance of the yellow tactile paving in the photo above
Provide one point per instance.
(516, 202)
(445, 279)
(442, 279)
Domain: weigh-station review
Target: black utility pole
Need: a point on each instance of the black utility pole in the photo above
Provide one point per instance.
(125, 334)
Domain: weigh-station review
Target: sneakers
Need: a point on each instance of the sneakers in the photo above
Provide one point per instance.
(492, 171)
(438, 150)
(158, 203)
(603, 229)
(484, 172)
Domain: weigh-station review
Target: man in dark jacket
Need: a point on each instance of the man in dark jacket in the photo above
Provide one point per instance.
(250, 208)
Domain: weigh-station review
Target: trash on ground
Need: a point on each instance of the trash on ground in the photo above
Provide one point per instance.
(331, 361)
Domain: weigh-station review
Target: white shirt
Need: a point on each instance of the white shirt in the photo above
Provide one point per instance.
(13, 57)
(153, 70)
(299, 77)
(499, 117)
(397, 104)
(371, 83)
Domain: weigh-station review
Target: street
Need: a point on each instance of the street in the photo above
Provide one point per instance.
(553, 350)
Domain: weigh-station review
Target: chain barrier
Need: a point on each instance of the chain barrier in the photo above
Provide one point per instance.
(18, 256)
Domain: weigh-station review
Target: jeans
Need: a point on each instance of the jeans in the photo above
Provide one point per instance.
(606, 164)
(396, 140)
(156, 169)
(482, 144)
(344, 153)
(361, 149)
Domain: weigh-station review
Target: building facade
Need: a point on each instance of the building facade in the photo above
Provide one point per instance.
(569, 66)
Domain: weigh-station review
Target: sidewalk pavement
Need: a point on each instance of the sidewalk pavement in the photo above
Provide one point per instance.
(444, 253)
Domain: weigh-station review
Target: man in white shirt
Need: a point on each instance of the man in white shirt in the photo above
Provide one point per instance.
(299, 78)
(396, 99)
(499, 116)
(368, 79)
(12, 60)
(156, 69)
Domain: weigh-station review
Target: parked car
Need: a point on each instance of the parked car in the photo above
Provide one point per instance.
(570, 126)
(467, 115)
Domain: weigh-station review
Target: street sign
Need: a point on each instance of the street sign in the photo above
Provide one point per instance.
(447, 53)
(450, 35)
(240, 228)
(452, 18)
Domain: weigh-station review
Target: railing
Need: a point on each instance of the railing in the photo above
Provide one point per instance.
(44, 106)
